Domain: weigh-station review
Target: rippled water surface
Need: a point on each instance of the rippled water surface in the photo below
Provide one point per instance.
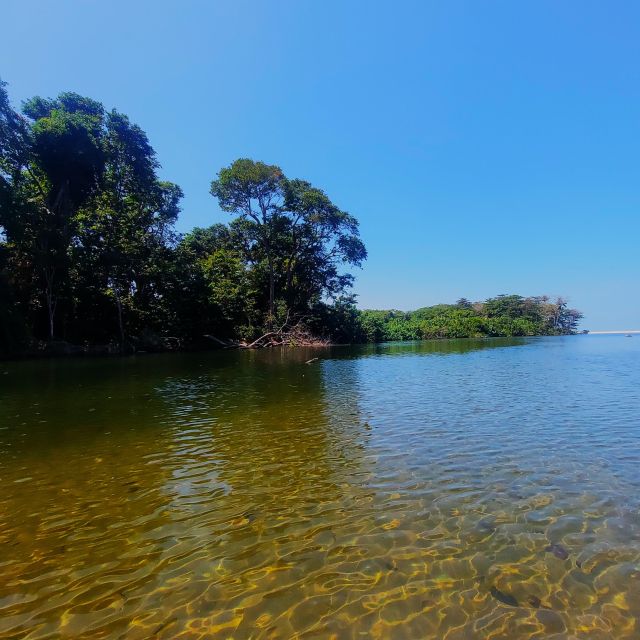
(464, 489)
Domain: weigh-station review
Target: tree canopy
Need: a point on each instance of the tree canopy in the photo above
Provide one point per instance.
(504, 315)
(291, 232)
(89, 254)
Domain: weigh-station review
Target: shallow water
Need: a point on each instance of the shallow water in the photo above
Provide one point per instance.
(462, 489)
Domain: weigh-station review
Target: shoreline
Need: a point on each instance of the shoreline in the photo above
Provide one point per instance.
(614, 333)
(63, 350)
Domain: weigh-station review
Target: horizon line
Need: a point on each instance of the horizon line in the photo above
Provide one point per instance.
(615, 332)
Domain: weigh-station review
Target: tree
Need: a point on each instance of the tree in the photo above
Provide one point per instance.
(339, 321)
(89, 252)
(509, 306)
(321, 238)
(255, 192)
(130, 219)
(14, 152)
(294, 230)
(64, 169)
(86, 219)
(505, 315)
(560, 318)
(214, 289)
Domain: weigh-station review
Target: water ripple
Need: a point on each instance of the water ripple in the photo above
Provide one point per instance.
(470, 489)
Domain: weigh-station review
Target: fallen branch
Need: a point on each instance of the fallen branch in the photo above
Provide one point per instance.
(225, 344)
(255, 342)
(291, 335)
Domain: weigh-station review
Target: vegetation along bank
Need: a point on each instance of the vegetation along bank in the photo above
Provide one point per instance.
(90, 260)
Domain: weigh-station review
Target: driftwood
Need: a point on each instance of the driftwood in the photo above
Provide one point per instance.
(287, 334)
(266, 337)
(223, 343)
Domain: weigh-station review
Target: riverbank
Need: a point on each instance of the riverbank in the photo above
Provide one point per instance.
(61, 350)
(499, 317)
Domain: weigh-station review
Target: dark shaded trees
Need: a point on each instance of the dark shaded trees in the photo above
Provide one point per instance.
(126, 230)
(15, 277)
(87, 226)
(65, 166)
(15, 142)
(213, 288)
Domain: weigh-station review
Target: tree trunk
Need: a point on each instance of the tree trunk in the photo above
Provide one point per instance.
(272, 289)
(51, 303)
(120, 323)
(51, 314)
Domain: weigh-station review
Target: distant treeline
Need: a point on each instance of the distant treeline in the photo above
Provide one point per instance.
(89, 254)
(504, 315)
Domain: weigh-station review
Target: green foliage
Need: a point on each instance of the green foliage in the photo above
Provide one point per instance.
(511, 315)
(13, 331)
(125, 232)
(89, 253)
(339, 322)
(14, 149)
(295, 241)
(67, 148)
(249, 188)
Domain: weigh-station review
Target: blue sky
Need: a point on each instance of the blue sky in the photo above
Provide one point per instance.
(485, 147)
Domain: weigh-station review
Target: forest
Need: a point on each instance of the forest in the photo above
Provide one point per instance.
(90, 259)
(504, 315)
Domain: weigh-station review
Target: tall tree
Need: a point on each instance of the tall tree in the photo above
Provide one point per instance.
(65, 169)
(321, 238)
(130, 220)
(293, 228)
(255, 192)
(14, 153)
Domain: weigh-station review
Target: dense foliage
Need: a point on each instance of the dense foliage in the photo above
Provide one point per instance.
(505, 315)
(89, 254)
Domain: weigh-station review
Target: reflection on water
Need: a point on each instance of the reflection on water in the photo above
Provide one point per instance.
(461, 489)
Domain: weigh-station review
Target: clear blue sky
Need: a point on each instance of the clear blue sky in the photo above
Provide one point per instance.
(486, 147)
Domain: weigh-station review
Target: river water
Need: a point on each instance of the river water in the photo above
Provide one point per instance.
(454, 489)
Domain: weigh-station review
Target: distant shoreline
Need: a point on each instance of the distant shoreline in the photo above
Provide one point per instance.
(632, 331)
(63, 350)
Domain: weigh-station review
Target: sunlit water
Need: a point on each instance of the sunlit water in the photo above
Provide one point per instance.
(464, 489)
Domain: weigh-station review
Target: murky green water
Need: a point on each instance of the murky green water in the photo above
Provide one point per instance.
(461, 489)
